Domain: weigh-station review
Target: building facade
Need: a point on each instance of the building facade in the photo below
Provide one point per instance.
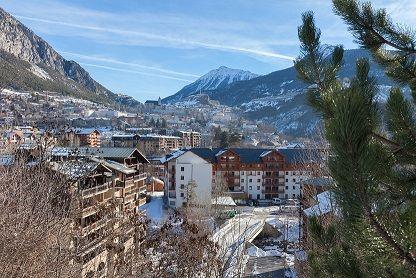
(109, 186)
(244, 174)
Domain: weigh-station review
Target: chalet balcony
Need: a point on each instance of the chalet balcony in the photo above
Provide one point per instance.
(141, 201)
(142, 189)
(129, 198)
(94, 226)
(140, 177)
(96, 189)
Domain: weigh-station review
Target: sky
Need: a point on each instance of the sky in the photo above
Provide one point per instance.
(152, 48)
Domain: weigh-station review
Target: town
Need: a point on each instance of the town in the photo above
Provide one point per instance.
(156, 168)
(207, 139)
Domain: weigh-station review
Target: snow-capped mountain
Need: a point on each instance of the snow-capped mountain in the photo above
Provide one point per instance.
(280, 97)
(215, 79)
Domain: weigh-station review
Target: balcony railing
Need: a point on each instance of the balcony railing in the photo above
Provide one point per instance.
(94, 226)
(140, 177)
(140, 202)
(142, 189)
(96, 189)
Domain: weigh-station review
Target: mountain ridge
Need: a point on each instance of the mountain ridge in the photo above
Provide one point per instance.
(40, 60)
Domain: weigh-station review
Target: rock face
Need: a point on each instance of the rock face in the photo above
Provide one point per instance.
(215, 79)
(23, 44)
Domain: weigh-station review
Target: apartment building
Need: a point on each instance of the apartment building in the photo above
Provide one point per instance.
(191, 139)
(83, 137)
(125, 140)
(109, 188)
(155, 143)
(241, 173)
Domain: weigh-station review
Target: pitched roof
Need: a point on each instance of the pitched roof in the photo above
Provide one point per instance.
(110, 153)
(76, 169)
(297, 155)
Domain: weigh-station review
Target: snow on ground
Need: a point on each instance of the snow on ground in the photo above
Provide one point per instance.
(280, 222)
(155, 210)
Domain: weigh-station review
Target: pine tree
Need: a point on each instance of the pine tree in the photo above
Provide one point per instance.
(374, 234)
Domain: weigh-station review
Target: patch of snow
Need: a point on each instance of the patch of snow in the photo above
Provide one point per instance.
(36, 70)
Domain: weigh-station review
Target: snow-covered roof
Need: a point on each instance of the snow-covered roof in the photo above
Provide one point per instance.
(325, 205)
(171, 156)
(223, 201)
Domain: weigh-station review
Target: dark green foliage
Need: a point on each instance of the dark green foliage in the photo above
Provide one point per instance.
(374, 235)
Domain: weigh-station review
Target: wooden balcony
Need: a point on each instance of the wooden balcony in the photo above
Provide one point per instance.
(94, 226)
(96, 189)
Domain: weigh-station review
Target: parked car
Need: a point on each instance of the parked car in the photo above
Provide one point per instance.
(277, 201)
(292, 202)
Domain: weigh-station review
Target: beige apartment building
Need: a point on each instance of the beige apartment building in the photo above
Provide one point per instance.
(191, 139)
(109, 187)
(154, 143)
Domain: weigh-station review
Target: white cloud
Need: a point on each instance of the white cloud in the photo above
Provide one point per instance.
(136, 72)
(117, 62)
(159, 29)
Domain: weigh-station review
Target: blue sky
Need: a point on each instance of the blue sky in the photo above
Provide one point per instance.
(151, 48)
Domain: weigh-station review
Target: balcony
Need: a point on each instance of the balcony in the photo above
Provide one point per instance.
(96, 189)
(94, 226)
(140, 202)
(142, 189)
(129, 198)
(139, 177)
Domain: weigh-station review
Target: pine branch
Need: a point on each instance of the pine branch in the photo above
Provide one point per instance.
(406, 256)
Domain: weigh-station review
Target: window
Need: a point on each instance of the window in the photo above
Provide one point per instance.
(250, 180)
(287, 180)
(258, 180)
(242, 180)
(258, 187)
(258, 196)
(258, 173)
(182, 169)
(293, 196)
(287, 173)
(250, 187)
(182, 178)
(294, 187)
(287, 187)
(182, 194)
(182, 186)
(294, 180)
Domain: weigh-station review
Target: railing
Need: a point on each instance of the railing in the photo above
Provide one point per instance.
(94, 226)
(140, 177)
(142, 188)
(96, 189)
(140, 202)
(129, 198)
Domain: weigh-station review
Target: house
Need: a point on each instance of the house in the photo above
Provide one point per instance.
(190, 139)
(125, 140)
(156, 144)
(90, 137)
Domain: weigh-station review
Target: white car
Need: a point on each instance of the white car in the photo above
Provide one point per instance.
(277, 201)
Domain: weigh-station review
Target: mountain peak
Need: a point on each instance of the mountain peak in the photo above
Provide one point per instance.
(215, 79)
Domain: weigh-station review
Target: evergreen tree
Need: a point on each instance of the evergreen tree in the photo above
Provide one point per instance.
(374, 234)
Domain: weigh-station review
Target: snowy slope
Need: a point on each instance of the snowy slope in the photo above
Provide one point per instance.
(215, 79)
